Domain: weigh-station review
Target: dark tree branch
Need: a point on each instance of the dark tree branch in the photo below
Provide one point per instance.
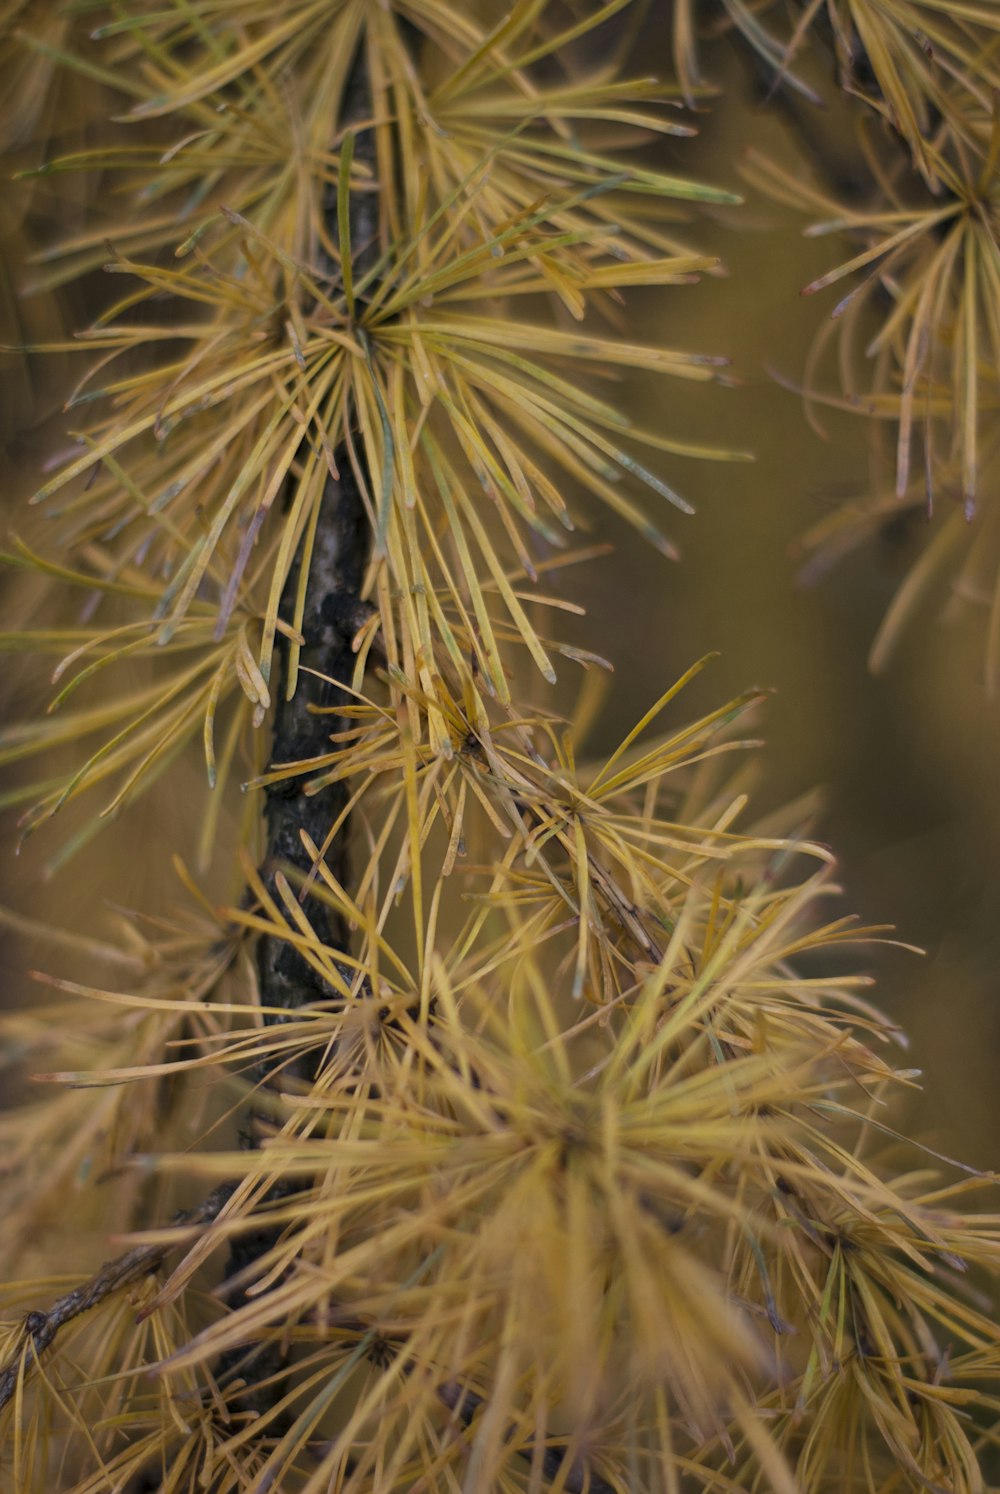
(40, 1327)
(332, 614)
(333, 611)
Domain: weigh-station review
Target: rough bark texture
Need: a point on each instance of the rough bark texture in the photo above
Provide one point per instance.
(332, 614)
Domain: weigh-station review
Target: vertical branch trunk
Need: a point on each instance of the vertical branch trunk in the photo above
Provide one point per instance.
(332, 614)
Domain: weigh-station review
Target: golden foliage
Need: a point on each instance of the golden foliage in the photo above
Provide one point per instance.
(575, 1170)
(913, 344)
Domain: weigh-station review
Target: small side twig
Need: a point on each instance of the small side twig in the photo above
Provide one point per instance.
(40, 1327)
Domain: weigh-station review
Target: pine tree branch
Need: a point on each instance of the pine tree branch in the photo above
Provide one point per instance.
(41, 1327)
(332, 613)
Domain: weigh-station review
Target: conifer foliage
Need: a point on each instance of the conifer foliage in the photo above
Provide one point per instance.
(502, 1129)
(913, 341)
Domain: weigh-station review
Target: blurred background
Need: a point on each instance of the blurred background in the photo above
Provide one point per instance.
(907, 763)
